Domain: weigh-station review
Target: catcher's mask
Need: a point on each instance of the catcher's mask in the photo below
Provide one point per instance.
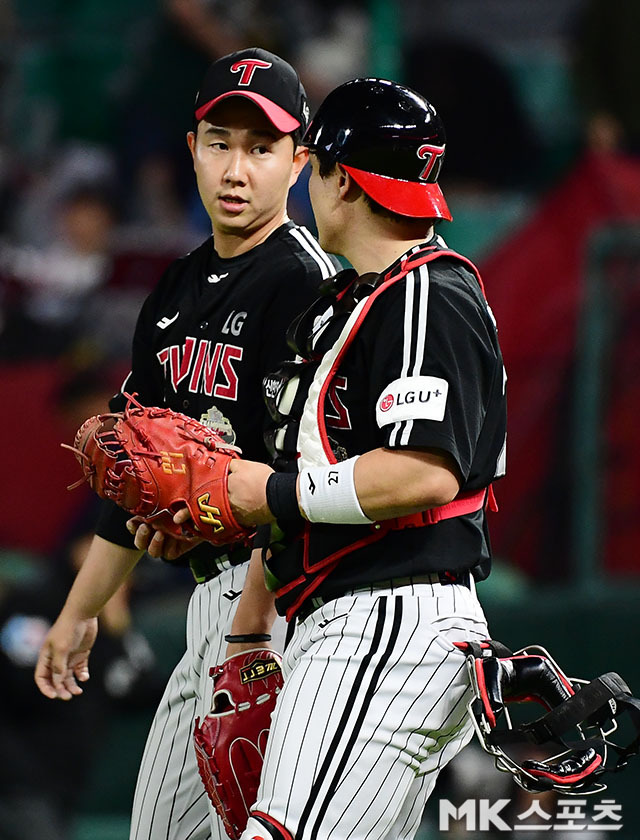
(390, 140)
(569, 746)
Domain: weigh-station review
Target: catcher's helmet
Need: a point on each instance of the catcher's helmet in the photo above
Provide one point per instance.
(389, 139)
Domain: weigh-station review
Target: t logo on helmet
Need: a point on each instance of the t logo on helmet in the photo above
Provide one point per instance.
(248, 66)
(432, 154)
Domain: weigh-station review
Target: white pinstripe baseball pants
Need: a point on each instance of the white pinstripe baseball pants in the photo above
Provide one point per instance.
(373, 707)
(170, 802)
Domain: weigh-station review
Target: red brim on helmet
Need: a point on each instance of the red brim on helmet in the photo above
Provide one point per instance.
(407, 198)
(283, 121)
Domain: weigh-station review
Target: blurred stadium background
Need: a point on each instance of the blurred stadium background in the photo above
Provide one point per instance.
(543, 179)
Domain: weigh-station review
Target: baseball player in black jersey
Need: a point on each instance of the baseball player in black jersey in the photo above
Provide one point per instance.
(390, 430)
(204, 340)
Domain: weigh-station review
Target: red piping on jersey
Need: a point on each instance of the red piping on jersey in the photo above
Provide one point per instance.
(463, 504)
(341, 294)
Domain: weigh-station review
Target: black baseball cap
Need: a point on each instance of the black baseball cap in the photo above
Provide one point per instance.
(262, 77)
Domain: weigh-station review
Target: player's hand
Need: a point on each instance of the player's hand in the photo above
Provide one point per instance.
(157, 543)
(64, 657)
(247, 487)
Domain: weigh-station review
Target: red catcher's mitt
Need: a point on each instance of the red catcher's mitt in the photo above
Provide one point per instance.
(154, 461)
(230, 743)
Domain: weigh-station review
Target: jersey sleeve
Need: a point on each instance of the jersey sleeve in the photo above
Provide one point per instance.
(432, 365)
(298, 289)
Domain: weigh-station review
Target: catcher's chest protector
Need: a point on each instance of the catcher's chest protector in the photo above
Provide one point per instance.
(298, 395)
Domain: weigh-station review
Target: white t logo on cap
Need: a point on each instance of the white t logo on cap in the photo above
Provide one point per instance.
(248, 66)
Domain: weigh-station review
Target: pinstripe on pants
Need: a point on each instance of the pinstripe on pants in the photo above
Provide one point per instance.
(170, 802)
(374, 705)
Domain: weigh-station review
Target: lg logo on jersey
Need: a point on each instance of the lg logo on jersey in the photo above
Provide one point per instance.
(210, 369)
(387, 402)
(234, 323)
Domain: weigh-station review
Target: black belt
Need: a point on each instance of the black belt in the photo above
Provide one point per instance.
(207, 567)
(443, 578)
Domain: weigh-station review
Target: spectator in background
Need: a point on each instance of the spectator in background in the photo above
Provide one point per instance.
(40, 187)
(607, 74)
(53, 284)
(326, 39)
(47, 750)
(494, 144)
(156, 219)
(81, 292)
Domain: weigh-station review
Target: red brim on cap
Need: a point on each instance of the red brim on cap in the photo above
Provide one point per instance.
(407, 198)
(278, 116)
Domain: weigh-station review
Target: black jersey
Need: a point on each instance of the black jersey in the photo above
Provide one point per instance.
(210, 331)
(423, 370)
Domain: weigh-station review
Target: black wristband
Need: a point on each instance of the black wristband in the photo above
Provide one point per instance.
(248, 637)
(282, 497)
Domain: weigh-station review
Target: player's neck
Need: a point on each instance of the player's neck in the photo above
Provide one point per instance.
(231, 244)
(374, 247)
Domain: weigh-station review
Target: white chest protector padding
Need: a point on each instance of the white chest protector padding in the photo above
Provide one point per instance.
(310, 446)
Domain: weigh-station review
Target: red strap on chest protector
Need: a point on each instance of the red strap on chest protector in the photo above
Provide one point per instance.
(464, 503)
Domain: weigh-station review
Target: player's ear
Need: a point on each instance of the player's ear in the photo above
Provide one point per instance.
(300, 158)
(191, 142)
(348, 190)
